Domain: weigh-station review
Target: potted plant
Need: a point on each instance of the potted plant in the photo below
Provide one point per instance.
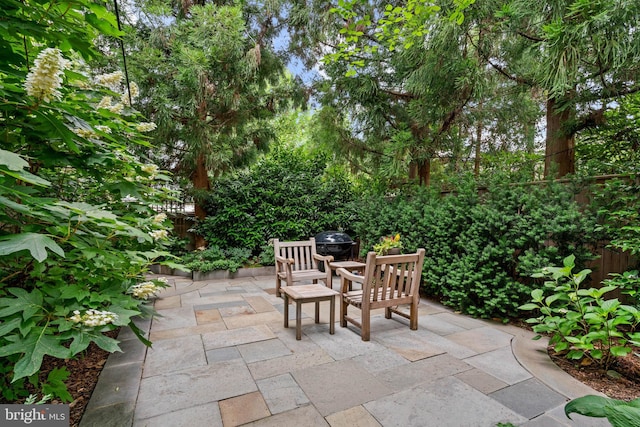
(389, 245)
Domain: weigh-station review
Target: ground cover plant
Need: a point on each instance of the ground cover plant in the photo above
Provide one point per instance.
(76, 230)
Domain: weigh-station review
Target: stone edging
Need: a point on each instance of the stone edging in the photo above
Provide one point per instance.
(217, 274)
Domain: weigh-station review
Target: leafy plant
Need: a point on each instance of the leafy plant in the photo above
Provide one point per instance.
(620, 413)
(55, 386)
(76, 226)
(580, 321)
(215, 258)
(386, 243)
(481, 246)
(289, 194)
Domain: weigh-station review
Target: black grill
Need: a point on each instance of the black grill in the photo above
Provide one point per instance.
(335, 243)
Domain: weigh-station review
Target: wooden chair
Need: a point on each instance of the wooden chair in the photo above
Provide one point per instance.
(298, 262)
(387, 282)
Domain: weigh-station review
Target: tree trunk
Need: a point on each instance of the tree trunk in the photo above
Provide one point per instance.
(425, 172)
(476, 163)
(200, 181)
(559, 152)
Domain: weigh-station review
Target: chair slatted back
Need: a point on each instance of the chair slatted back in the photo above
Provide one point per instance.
(301, 252)
(392, 276)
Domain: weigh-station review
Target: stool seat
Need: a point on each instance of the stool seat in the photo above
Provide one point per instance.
(301, 294)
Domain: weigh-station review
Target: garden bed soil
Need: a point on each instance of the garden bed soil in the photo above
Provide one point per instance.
(84, 372)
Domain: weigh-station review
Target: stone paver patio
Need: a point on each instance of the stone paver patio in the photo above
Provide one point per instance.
(222, 357)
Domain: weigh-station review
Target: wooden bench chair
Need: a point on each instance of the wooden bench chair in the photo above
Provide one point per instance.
(387, 282)
(298, 262)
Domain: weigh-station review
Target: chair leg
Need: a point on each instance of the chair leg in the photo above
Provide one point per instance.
(286, 310)
(413, 316)
(317, 311)
(387, 312)
(298, 320)
(278, 286)
(332, 314)
(343, 312)
(366, 324)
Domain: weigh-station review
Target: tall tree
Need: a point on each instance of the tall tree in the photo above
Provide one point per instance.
(414, 99)
(581, 54)
(211, 82)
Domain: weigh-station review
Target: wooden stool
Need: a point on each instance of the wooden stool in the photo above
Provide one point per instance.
(308, 293)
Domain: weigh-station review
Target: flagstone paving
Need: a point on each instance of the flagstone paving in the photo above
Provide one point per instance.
(222, 357)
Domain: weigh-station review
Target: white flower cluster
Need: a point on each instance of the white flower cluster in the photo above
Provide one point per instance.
(160, 218)
(116, 108)
(146, 126)
(103, 128)
(128, 199)
(110, 80)
(93, 317)
(144, 290)
(114, 82)
(105, 102)
(44, 80)
(159, 234)
(85, 133)
(150, 169)
(134, 90)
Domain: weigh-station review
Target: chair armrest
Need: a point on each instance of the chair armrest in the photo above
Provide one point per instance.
(325, 258)
(347, 277)
(283, 260)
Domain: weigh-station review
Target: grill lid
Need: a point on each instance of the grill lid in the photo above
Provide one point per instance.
(333, 237)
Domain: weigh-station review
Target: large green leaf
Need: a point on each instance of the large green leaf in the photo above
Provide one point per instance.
(590, 405)
(34, 346)
(36, 244)
(28, 303)
(28, 177)
(12, 161)
(9, 326)
(8, 203)
(106, 343)
(618, 412)
(124, 315)
(81, 341)
(57, 128)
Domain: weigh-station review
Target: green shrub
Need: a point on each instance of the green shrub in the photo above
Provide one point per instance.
(618, 208)
(481, 246)
(288, 195)
(215, 258)
(76, 229)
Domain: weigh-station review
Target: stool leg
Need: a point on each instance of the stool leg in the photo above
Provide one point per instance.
(332, 314)
(286, 309)
(317, 311)
(298, 320)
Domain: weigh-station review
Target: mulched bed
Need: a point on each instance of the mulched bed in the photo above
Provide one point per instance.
(623, 383)
(84, 372)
